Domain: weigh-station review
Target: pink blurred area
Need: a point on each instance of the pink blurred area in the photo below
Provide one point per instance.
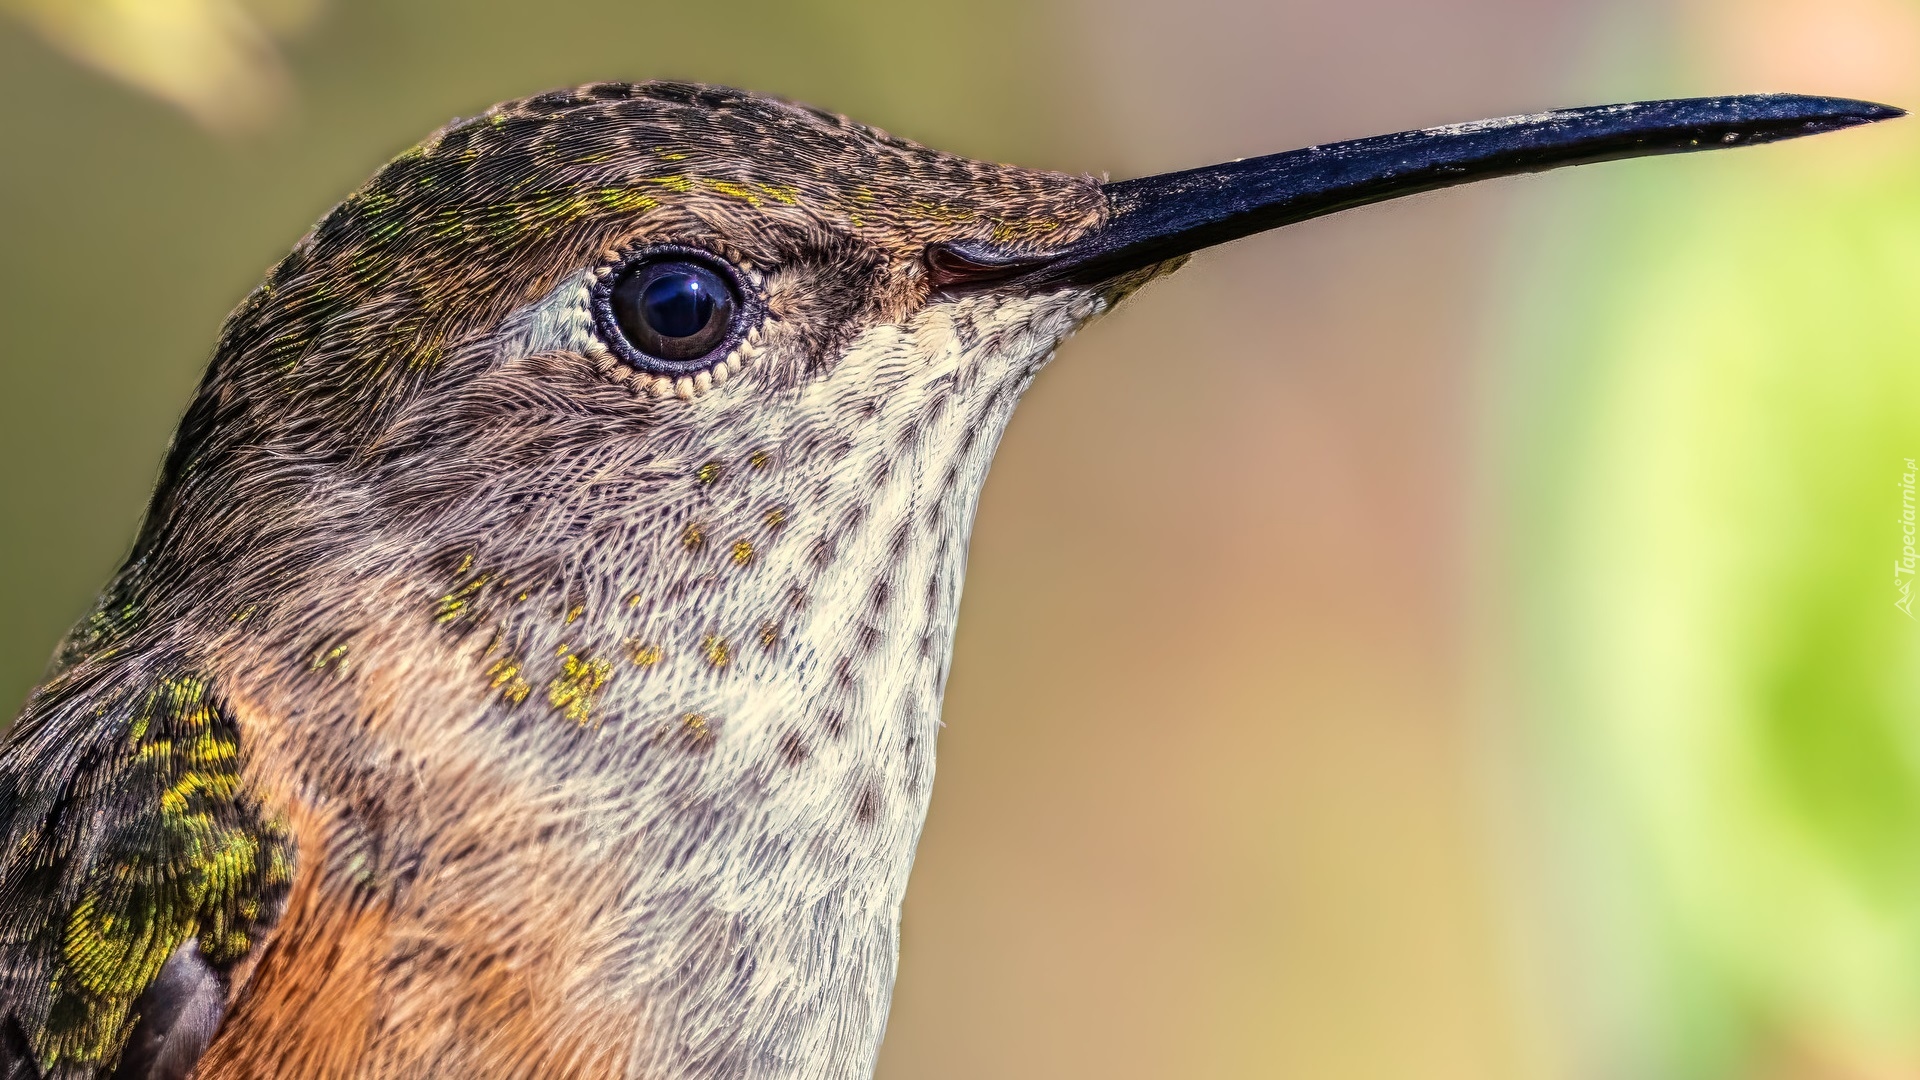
(1213, 800)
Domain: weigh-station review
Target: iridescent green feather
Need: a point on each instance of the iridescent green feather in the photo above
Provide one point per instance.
(155, 845)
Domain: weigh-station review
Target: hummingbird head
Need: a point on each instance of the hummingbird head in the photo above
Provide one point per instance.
(591, 490)
(689, 264)
(654, 412)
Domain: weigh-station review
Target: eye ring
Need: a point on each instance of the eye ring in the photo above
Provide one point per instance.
(671, 310)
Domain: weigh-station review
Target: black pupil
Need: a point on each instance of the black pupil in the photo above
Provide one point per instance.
(671, 310)
(678, 304)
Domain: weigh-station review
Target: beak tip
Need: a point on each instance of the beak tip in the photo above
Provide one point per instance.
(1826, 113)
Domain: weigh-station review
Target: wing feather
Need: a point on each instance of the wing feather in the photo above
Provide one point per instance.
(137, 869)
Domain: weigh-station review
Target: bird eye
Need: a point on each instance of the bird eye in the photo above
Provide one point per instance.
(675, 312)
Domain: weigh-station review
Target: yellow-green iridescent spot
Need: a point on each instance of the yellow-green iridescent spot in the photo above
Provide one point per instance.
(206, 879)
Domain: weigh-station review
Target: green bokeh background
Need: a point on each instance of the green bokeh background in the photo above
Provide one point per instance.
(1713, 516)
(1453, 639)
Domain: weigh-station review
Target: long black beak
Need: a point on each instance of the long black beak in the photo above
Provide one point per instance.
(1156, 218)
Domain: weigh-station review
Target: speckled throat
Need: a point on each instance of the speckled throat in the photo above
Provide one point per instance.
(685, 738)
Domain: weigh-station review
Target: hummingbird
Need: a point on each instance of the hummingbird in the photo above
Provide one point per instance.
(530, 663)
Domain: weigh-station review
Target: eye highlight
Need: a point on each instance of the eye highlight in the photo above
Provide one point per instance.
(670, 311)
(673, 310)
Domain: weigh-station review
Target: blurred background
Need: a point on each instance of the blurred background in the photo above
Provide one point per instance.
(1456, 638)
